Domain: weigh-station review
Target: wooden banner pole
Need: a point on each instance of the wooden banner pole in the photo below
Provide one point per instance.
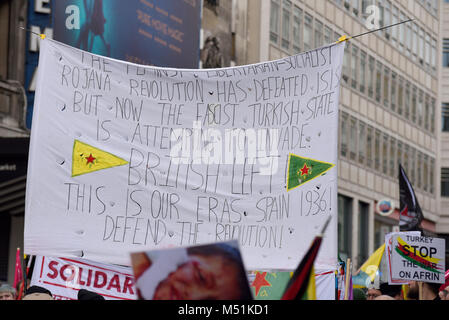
(347, 275)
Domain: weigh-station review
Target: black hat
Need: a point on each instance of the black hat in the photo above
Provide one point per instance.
(37, 289)
(84, 294)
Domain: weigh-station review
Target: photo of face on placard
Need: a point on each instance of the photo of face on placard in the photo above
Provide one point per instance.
(206, 272)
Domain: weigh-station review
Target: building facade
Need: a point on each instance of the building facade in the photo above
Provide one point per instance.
(389, 102)
(388, 105)
(443, 126)
(14, 135)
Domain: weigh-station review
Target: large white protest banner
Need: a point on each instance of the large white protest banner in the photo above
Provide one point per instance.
(125, 157)
(65, 277)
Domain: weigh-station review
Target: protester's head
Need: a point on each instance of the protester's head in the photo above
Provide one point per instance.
(84, 294)
(444, 289)
(434, 288)
(444, 294)
(430, 290)
(392, 290)
(212, 272)
(37, 293)
(7, 292)
(384, 297)
(413, 291)
(372, 293)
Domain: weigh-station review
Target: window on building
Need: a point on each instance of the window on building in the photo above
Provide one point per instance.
(297, 29)
(362, 72)
(432, 176)
(393, 157)
(401, 96)
(297, 32)
(414, 104)
(412, 169)
(381, 229)
(353, 137)
(425, 172)
(401, 32)
(393, 91)
(354, 64)
(420, 109)
(429, 6)
(379, 82)
(427, 50)
(380, 6)
(446, 53)
(435, 7)
(363, 232)
(399, 153)
(274, 21)
(362, 142)
(386, 87)
(408, 39)
(318, 33)
(369, 147)
(327, 35)
(415, 41)
(421, 46)
(419, 160)
(405, 159)
(394, 20)
(286, 12)
(445, 182)
(355, 7)
(377, 153)
(344, 226)
(308, 40)
(370, 77)
(387, 18)
(445, 117)
(365, 5)
(346, 63)
(433, 55)
(385, 154)
(406, 98)
(432, 115)
(344, 134)
(426, 112)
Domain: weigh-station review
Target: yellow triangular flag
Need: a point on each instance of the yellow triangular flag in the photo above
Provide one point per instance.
(371, 265)
(87, 159)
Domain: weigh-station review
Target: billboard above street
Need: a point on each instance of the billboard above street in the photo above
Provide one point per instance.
(160, 33)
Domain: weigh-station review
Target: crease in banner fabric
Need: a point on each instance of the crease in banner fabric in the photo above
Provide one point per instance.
(127, 158)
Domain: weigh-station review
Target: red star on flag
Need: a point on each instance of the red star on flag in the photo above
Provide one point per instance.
(305, 170)
(260, 282)
(90, 159)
